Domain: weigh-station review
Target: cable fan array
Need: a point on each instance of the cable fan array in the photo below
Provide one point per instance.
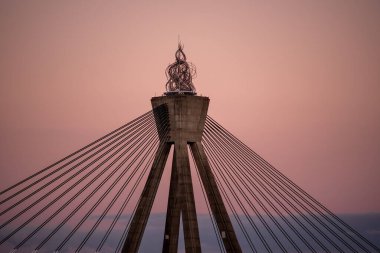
(273, 214)
(85, 201)
(51, 209)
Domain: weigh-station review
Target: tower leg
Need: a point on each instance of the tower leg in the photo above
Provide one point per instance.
(173, 213)
(189, 215)
(137, 227)
(215, 200)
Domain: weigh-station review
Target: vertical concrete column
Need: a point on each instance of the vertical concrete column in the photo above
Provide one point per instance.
(215, 200)
(185, 115)
(140, 218)
(186, 197)
(173, 213)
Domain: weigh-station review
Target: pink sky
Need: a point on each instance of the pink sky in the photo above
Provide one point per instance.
(297, 81)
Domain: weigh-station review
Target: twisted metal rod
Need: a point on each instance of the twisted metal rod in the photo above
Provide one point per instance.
(180, 74)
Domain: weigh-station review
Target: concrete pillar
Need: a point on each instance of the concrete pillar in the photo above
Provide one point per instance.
(180, 121)
(186, 116)
(137, 227)
(173, 213)
(215, 200)
(186, 198)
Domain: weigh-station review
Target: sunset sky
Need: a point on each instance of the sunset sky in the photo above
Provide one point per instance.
(297, 81)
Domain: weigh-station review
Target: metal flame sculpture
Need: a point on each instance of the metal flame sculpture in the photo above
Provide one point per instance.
(180, 75)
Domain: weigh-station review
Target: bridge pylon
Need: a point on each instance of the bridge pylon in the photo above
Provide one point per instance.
(273, 213)
(180, 120)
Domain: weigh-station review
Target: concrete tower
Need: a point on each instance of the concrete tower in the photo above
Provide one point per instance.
(180, 117)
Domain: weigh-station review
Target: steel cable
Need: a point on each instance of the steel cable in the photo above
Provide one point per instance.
(158, 155)
(73, 154)
(66, 191)
(163, 133)
(126, 201)
(88, 197)
(214, 193)
(233, 157)
(221, 248)
(231, 206)
(66, 172)
(146, 150)
(225, 172)
(300, 213)
(242, 207)
(218, 145)
(290, 185)
(63, 183)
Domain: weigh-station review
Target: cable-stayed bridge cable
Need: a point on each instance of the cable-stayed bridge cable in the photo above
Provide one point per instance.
(283, 197)
(85, 200)
(75, 153)
(228, 162)
(220, 244)
(143, 145)
(71, 177)
(238, 163)
(126, 135)
(142, 133)
(217, 163)
(127, 199)
(231, 206)
(298, 196)
(288, 218)
(238, 160)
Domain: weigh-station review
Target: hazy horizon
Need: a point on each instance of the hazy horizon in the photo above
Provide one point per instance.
(368, 225)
